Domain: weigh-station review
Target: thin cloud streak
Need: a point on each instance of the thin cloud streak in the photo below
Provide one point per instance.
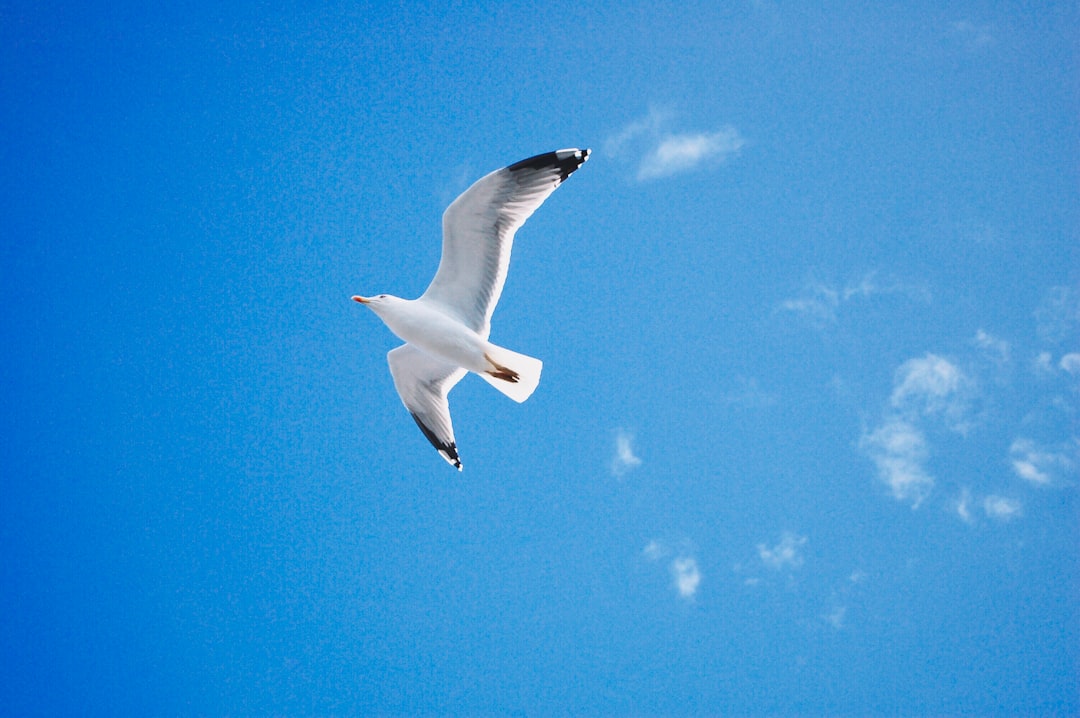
(624, 460)
(963, 506)
(677, 153)
(1037, 464)
(650, 125)
(820, 303)
(664, 152)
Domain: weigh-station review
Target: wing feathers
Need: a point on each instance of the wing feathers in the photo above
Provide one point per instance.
(447, 450)
(565, 161)
(423, 382)
(478, 233)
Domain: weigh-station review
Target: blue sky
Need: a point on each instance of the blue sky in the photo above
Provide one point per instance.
(806, 440)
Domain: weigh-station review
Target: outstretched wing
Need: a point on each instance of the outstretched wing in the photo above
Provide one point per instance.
(423, 382)
(478, 232)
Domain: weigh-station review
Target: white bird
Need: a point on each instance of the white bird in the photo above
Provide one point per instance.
(445, 330)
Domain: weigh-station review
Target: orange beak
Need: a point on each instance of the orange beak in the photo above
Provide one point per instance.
(360, 299)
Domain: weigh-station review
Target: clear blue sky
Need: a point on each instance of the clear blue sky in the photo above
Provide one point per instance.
(807, 436)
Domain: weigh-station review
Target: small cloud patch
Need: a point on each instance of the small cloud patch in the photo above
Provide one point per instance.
(820, 303)
(1071, 363)
(677, 153)
(687, 576)
(683, 566)
(1038, 464)
(664, 153)
(933, 386)
(625, 459)
(1000, 508)
(899, 450)
(963, 506)
(785, 554)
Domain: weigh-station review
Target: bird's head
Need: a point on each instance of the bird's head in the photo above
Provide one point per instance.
(378, 303)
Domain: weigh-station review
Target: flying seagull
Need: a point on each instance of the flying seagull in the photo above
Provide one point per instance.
(445, 330)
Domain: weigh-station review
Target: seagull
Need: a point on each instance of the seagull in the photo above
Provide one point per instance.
(446, 329)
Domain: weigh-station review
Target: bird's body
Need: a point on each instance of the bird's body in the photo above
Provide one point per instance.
(446, 329)
(432, 331)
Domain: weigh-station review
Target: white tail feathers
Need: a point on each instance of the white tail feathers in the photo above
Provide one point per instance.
(515, 375)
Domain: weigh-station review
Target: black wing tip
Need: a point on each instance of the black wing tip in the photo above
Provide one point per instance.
(451, 457)
(447, 450)
(566, 161)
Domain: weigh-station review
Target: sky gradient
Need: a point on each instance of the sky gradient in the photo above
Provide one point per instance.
(806, 440)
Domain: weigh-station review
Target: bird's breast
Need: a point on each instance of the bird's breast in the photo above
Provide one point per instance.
(438, 334)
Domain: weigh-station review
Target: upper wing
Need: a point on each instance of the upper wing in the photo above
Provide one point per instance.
(478, 231)
(423, 382)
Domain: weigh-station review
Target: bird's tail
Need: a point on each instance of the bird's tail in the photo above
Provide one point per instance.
(515, 375)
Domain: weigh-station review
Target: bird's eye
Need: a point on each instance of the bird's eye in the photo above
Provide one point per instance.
(382, 296)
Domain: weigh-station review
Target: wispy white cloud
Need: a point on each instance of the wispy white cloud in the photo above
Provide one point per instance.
(926, 384)
(928, 380)
(997, 349)
(996, 507)
(1038, 464)
(649, 126)
(933, 386)
(1026, 461)
(871, 285)
(1057, 317)
(683, 566)
(1001, 508)
(624, 460)
(786, 553)
(841, 595)
(677, 153)
(1070, 363)
(924, 388)
(993, 388)
(664, 152)
(687, 576)
(1044, 363)
(899, 450)
(963, 506)
(819, 303)
(655, 550)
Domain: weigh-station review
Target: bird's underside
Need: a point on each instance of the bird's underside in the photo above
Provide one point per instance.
(478, 233)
